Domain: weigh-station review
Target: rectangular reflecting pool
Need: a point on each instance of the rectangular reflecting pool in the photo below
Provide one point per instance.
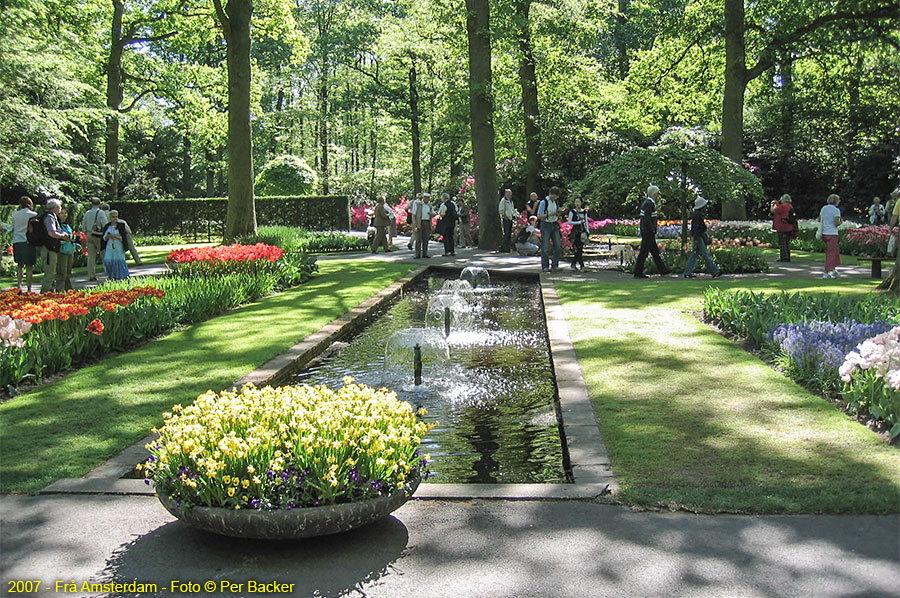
(488, 385)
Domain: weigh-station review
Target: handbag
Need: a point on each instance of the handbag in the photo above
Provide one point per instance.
(584, 237)
(819, 231)
(892, 245)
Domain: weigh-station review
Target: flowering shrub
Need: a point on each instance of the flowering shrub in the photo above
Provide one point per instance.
(359, 218)
(281, 448)
(812, 352)
(867, 240)
(872, 376)
(225, 253)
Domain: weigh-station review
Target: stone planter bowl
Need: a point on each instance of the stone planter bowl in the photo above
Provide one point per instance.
(296, 523)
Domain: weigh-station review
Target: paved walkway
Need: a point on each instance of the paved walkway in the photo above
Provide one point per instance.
(466, 548)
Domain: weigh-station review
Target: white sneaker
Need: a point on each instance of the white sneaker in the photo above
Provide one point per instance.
(835, 274)
(827, 276)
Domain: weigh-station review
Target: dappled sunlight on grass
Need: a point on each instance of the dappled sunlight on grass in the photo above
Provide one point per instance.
(65, 428)
(690, 418)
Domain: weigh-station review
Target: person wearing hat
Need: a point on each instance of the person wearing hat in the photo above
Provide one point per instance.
(701, 239)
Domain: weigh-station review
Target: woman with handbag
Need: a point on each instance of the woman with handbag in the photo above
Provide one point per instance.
(701, 240)
(578, 219)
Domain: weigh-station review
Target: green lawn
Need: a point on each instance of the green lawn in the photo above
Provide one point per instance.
(66, 428)
(692, 420)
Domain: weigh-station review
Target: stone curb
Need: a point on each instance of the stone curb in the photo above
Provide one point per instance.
(584, 450)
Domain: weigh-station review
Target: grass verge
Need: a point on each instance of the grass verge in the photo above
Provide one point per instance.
(66, 428)
(693, 421)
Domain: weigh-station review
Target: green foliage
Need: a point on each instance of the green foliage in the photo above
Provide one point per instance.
(867, 392)
(203, 219)
(729, 261)
(299, 240)
(286, 175)
(681, 173)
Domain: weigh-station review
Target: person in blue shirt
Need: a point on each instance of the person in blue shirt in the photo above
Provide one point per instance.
(548, 215)
(67, 248)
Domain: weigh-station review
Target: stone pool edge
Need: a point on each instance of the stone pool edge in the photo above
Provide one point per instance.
(593, 478)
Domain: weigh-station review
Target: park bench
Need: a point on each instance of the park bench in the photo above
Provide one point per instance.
(876, 264)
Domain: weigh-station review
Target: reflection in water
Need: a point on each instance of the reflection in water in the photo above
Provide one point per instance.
(493, 398)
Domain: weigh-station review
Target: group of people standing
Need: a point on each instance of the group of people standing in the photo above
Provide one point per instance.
(453, 224)
(106, 236)
(542, 230)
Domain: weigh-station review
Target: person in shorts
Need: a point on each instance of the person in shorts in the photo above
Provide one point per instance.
(24, 254)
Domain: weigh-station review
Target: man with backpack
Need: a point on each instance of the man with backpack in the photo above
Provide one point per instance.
(53, 240)
(548, 214)
(93, 224)
(24, 253)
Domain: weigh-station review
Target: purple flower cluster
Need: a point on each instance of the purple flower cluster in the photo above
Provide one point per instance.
(818, 347)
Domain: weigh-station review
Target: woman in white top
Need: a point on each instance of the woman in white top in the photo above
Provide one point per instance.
(830, 220)
(24, 255)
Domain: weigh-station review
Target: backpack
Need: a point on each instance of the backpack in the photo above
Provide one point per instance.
(523, 235)
(36, 234)
(409, 214)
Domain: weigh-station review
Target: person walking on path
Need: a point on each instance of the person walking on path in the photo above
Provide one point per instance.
(700, 238)
(24, 254)
(422, 215)
(66, 254)
(55, 236)
(410, 208)
(648, 236)
(465, 223)
(381, 220)
(93, 223)
(784, 221)
(578, 219)
(829, 221)
(507, 216)
(548, 214)
(115, 236)
(448, 213)
(392, 222)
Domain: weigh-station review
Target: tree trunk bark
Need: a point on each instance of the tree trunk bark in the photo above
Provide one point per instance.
(416, 136)
(481, 111)
(114, 96)
(621, 41)
(187, 188)
(733, 100)
(241, 217)
(530, 107)
(323, 127)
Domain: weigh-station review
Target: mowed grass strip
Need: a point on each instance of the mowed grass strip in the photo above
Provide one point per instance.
(693, 421)
(66, 428)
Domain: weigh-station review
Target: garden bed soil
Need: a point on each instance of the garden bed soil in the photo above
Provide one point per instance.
(879, 427)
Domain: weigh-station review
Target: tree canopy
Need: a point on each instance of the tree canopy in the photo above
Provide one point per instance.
(126, 99)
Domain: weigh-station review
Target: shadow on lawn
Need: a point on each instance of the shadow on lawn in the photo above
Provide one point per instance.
(92, 413)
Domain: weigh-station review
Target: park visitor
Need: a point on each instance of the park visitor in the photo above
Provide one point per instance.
(409, 218)
(648, 236)
(528, 241)
(381, 220)
(531, 205)
(93, 223)
(24, 254)
(578, 235)
(422, 216)
(548, 214)
(784, 222)
(829, 221)
(700, 239)
(115, 242)
(507, 217)
(55, 236)
(464, 233)
(877, 212)
(448, 215)
(66, 258)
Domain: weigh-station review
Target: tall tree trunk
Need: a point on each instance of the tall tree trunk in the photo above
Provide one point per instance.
(891, 284)
(414, 127)
(733, 101)
(241, 217)
(114, 97)
(187, 188)
(374, 161)
(481, 111)
(210, 173)
(621, 39)
(323, 126)
(528, 80)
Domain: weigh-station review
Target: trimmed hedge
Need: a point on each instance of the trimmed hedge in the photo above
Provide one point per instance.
(204, 218)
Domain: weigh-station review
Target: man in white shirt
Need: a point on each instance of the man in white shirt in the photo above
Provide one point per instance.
(507, 217)
(93, 223)
(422, 215)
(24, 254)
